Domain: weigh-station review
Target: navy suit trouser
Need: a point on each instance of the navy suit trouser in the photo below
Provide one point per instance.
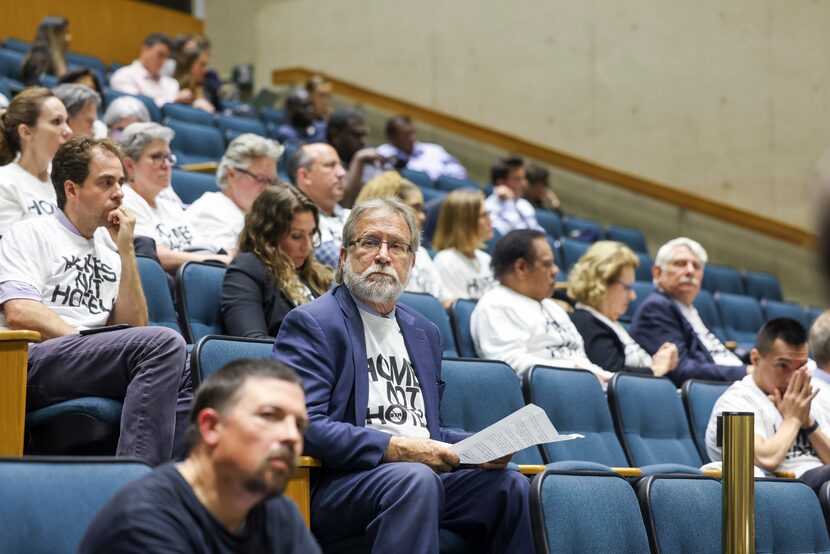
(401, 506)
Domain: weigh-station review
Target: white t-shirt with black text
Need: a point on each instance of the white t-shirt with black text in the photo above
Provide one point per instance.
(23, 195)
(396, 403)
(217, 220)
(464, 277)
(425, 277)
(166, 223)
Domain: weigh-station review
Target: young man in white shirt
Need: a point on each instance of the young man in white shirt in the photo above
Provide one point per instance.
(790, 435)
(508, 210)
(518, 322)
(76, 270)
(143, 76)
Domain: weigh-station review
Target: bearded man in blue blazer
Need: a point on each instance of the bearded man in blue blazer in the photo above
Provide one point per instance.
(372, 374)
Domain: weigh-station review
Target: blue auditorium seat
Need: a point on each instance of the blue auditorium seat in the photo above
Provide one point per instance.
(773, 309)
(199, 290)
(572, 250)
(699, 397)
(152, 109)
(650, 421)
(642, 290)
(230, 123)
(88, 425)
(432, 194)
(273, 115)
(196, 143)
(479, 393)
(451, 183)
(432, 309)
(585, 512)
(558, 259)
(215, 351)
(762, 285)
(682, 513)
(643, 271)
(582, 229)
(461, 312)
(10, 62)
(550, 222)
(741, 316)
(722, 278)
(49, 502)
(190, 185)
(154, 281)
(48, 81)
(85, 60)
(189, 114)
(490, 245)
(704, 303)
(5, 89)
(16, 44)
(419, 178)
(788, 518)
(630, 236)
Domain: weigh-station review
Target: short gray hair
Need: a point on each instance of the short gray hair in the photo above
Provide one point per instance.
(75, 97)
(304, 156)
(820, 340)
(390, 204)
(137, 136)
(124, 107)
(242, 150)
(664, 255)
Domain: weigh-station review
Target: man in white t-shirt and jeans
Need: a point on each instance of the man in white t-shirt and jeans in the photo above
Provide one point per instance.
(372, 372)
(790, 435)
(75, 271)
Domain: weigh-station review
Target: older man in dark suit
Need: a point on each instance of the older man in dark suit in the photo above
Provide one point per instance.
(372, 372)
(668, 315)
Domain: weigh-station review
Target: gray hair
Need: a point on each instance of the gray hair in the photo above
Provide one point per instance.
(390, 204)
(137, 136)
(664, 255)
(244, 149)
(75, 97)
(124, 107)
(820, 341)
(302, 157)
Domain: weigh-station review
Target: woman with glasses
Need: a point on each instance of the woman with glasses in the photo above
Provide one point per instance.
(149, 166)
(274, 270)
(424, 276)
(602, 284)
(463, 226)
(31, 130)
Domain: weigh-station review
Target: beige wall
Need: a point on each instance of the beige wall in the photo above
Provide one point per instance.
(726, 99)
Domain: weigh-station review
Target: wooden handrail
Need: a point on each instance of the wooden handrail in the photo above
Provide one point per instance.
(654, 189)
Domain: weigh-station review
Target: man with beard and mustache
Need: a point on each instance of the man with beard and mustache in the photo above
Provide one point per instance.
(372, 369)
(668, 315)
(245, 432)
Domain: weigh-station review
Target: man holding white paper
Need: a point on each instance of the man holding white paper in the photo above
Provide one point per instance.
(372, 373)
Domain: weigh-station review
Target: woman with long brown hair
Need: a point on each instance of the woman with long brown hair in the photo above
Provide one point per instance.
(274, 270)
(34, 126)
(48, 52)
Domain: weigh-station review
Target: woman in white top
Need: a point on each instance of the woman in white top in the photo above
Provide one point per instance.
(33, 127)
(601, 282)
(424, 276)
(149, 166)
(463, 226)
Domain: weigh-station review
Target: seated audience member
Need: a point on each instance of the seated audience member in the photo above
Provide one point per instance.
(820, 374)
(424, 276)
(602, 283)
(273, 271)
(668, 315)
(75, 270)
(316, 170)
(149, 166)
(387, 470)
(518, 322)
(508, 210)
(81, 104)
(82, 76)
(143, 76)
(47, 56)
(248, 167)
(788, 436)
(34, 126)
(432, 159)
(244, 435)
(191, 73)
(300, 126)
(538, 191)
(463, 226)
(122, 112)
(346, 132)
(320, 91)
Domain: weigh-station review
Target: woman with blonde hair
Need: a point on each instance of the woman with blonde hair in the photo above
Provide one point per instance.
(275, 270)
(424, 276)
(601, 282)
(34, 126)
(463, 226)
(48, 52)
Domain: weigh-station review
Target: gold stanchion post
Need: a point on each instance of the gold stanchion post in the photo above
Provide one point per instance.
(736, 434)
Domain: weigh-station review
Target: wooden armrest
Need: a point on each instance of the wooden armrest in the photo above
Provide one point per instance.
(204, 167)
(716, 473)
(14, 360)
(624, 471)
(308, 461)
(28, 336)
(531, 469)
(731, 345)
(785, 474)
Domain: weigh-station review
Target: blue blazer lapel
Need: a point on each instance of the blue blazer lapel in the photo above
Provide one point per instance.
(357, 339)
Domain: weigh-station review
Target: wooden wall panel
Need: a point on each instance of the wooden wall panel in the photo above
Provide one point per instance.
(110, 29)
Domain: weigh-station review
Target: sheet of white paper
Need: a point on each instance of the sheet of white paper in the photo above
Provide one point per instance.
(526, 427)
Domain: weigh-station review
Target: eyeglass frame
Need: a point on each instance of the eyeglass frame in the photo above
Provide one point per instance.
(260, 180)
(389, 245)
(158, 158)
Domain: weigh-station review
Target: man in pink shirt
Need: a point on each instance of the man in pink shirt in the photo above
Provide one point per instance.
(144, 76)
